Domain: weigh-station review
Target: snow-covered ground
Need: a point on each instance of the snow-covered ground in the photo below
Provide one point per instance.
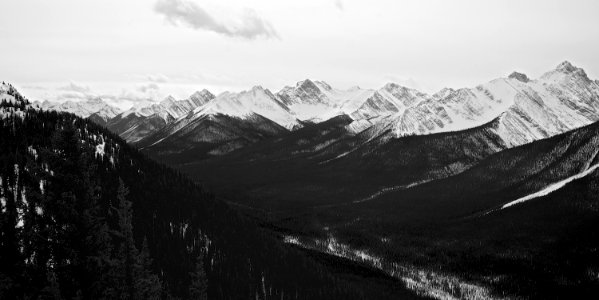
(551, 188)
(423, 282)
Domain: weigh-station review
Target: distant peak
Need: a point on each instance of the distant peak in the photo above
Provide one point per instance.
(305, 81)
(257, 88)
(519, 76)
(393, 86)
(167, 100)
(566, 66)
(203, 94)
(444, 92)
(306, 85)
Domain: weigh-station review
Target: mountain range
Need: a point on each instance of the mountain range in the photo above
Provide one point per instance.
(96, 109)
(527, 110)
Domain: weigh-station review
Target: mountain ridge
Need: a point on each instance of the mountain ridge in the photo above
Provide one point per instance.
(561, 99)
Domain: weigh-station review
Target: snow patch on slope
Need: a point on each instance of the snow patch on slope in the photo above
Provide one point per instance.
(552, 187)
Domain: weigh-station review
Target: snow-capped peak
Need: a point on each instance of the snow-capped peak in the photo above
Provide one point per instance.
(564, 71)
(306, 84)
(257, 88)
(318, 101)
(83, 108)
(526, 110)
(201, 97)
(567, 67)
(202, 94)
(304, 92)
(108, 111)
(244, 104)
(170, 100)
(391, 99)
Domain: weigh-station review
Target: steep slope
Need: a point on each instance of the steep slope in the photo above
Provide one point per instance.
(134, 127)
(63, 183)
(196, 138)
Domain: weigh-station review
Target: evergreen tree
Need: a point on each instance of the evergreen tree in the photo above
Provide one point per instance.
(147, 284)
(127, 252)
(199, 284)
(52, 290)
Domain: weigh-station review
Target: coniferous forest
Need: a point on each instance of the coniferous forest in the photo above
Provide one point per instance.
(85, 216)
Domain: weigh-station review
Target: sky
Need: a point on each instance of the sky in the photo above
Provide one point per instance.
(133, 51)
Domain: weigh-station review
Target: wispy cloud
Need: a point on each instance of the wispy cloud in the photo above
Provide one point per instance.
(74, 92)
(146, 92)
(184, 12)
(34, 87)
(161, 78)
(339, 5)
(73, 87)
(148, 87)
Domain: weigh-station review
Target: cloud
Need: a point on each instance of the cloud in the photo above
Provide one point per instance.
(73, 92)
(184, 12)
(161, 78)
(35, 87)
(148, 87)
(339, 5)
(74, 95)
(73, 87)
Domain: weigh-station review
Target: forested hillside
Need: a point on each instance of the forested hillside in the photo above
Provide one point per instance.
(84, 216)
